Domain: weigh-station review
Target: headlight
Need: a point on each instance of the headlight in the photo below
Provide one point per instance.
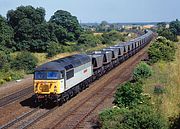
(36, 86)
(55, 88)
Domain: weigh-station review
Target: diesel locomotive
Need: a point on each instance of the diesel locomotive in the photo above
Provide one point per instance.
(59, 80)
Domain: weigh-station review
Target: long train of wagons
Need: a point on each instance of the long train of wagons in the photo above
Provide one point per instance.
(59, 80)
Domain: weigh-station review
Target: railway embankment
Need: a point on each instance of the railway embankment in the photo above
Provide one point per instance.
(162, 89)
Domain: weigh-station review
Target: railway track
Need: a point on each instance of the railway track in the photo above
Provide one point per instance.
(27, 119)
(75, 117)
(15, 96)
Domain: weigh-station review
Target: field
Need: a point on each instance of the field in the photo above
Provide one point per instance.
(164, 86)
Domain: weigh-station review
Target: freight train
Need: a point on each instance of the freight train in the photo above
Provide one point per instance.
(59, 80)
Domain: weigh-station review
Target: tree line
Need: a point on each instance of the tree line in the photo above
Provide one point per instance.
(26, 29)
(169, 31)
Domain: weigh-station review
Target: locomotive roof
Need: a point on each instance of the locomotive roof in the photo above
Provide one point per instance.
(65, 63)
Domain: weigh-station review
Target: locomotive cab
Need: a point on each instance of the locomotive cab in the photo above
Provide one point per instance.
(47, 82)
(54, 80)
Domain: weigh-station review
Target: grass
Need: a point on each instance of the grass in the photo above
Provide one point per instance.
(41, 57)
(167, 77)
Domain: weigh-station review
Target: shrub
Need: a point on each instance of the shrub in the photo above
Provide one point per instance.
(141, 117)
(162, 49)
(142, 71)
(112, 118)
(2, 81)
(54, 49)
(88, 40)
(14, 75)
(25, 61)
(5, 59)
(145, 117)
(129, 95)
(38, 46)
(110, 37)
(175, 122)
(167, 33)
(159, 89)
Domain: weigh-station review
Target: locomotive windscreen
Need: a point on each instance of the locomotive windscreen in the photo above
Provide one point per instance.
(47, 75)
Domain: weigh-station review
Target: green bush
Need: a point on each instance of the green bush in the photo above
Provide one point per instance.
(167, 33)
(145, 117)
(54, 49)
(140, 117)
(15, 75)
(159, 89)
(25, 61)
(112, 118)
(174, 122)
(162, 49)
(88, 40)
(2, 81)
(5, 60)
(11, 75)
(142, 71)
(129, 95)
(112, 36)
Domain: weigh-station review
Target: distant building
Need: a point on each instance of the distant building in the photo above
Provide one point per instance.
(148, 26)
(167, 25)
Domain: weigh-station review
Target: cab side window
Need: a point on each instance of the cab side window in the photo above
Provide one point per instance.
(70, 74)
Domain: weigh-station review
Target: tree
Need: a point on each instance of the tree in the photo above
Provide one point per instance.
(68, 22)
(175, 27)
(41, 31)
(38, 46)
(161, 25)
(29, 28)
(171, 32)
(6, 33)
(37, 15)
(104, 26)
(167, 33)
(24, 30)
(61, 34)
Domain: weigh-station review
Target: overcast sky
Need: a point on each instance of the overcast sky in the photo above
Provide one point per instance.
(109, 10)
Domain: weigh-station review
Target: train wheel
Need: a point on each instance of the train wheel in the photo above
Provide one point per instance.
(60, 101)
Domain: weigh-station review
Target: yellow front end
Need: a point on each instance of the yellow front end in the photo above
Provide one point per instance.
(47, 86)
